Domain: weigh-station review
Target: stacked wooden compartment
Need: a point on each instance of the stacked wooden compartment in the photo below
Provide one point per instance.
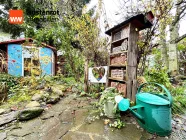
(122, 72)
(118, 59)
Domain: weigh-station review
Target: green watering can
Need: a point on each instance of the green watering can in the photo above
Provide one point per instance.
(152, 110)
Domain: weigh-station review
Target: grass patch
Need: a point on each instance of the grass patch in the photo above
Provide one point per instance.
(179, 99)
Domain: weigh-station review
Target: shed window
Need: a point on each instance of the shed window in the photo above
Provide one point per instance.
(27, 66)
(31, 61)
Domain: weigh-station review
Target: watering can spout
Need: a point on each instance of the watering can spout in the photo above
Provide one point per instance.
(137, 115)
(123, 105)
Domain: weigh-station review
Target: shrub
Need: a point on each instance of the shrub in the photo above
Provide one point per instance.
(9, 80)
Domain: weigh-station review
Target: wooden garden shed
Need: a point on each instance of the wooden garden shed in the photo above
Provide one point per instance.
(25, 58)
(122, 71)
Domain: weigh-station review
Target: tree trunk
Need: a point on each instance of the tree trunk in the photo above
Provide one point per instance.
(86, 75)
(173, 53)
(164, 48)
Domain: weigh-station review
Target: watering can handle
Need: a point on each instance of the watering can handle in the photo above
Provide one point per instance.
(162, 86)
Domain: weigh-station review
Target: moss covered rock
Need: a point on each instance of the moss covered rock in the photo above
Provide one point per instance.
(57, 91)
(37, 97)
(53, 99)
(29, 113)
(2, 111)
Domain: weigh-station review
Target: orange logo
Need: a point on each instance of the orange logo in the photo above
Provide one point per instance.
(15, 16)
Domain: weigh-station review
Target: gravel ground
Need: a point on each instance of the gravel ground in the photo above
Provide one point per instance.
(179, 127)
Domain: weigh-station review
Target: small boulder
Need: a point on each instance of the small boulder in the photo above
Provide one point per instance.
(58, 92)
(45, 97)
(3, 135)
(74, 89)
(179, 121)
(2, 111)
(41, 92)
(33, 104)
(180, 77)
(48, 89)
(41, 86)
(63, 88)
(53, 99)
(173, 122)
(178, 126)
(37, 97)
(43, 104)
(29, 113)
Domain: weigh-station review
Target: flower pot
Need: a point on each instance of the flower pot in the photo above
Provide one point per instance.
(109, 109)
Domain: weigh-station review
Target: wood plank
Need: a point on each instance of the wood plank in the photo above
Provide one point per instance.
(132, 62)
(134, 90)
(118, 66)
(129, 90)
(132, 59)
(118, 53)
(117, 79)
(119, 40)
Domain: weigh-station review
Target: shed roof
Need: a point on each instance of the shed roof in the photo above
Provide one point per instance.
(26, 39)
(140, 20)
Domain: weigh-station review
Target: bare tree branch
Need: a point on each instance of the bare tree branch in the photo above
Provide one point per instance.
(179, 14)
(181, 2)
(180, 38)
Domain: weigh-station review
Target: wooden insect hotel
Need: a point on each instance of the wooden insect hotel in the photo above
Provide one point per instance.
(122, 72)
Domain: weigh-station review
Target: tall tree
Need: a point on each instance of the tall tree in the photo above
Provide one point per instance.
(87, 33)
(174, 35)
(14, 30)
(162, 9)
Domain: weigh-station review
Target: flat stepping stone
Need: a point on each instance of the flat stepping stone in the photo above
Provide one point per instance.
(7, 118)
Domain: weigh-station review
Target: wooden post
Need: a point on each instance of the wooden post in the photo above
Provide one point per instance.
(86, 75)
(132, 62)
(108, 71)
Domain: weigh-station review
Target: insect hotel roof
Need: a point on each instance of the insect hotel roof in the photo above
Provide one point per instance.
(141, 22)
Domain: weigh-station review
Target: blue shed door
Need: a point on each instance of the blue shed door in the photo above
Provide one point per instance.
(46, 61)
(15, 61)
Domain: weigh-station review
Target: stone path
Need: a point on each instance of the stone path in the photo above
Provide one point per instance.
(67, 120)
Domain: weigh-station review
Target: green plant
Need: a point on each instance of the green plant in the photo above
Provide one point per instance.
(96, 88)
(159, 75)
(179, 99)
(3, 91)
(108, 95)
(158, 72)
(117, 124)
(9, 79)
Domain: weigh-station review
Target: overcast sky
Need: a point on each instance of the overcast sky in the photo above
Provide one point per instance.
(114, 13)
